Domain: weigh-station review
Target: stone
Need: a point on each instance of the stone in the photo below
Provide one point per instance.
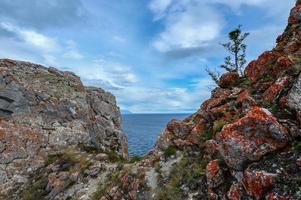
(294, 97)
(295, 15)
(214, 174)
(235, 192)
(271, 94)
(229, 80)
(275, 196)
(269, 64)
(101, 157)
(251, 137)
(44, 110)
(210, 148)
(256, 183)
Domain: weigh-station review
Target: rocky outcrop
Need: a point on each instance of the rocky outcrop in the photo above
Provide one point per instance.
(43, 110)
(251, 137)
(243, 142)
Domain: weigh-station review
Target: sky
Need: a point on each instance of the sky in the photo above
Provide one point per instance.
(151, 54)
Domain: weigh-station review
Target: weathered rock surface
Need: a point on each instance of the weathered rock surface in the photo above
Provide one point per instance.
(43, 110)
(251, 137)
(242, 144)
(229, 79)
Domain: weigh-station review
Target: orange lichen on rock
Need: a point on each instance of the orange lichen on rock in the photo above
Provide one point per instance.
(235, 192)
(251, 137)
(269, 64)
(271, 93)
(214, 174)
(256, 183)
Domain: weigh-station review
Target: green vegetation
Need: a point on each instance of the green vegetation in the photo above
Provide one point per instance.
(115, 158)
(218, 125)
(69, 160)
(36, 188)
(237, 51)
(170, 151)
(114, 180)
(189, 172)
(135, 159)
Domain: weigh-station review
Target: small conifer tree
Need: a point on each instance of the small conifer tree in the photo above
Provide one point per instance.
(237, 48)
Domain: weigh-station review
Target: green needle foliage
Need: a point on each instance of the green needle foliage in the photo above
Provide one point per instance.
(237, 49)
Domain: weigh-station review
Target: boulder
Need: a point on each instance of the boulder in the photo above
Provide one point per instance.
(229, 80)
(44, 110)
(294, 98)
(295, 15)
(214, 174)
(256, 183)
(267, 66)
(271, 94)
(251, 137)
(235, 192)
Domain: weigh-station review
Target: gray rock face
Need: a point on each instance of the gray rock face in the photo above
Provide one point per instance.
(294, 97)
(44, 109)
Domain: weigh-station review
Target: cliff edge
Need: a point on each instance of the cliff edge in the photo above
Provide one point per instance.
(47, 114)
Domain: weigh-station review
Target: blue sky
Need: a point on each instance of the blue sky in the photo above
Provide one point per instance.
(151, 54)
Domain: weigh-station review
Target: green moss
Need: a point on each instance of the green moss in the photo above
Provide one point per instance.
(170, 151)
(207, 135)
(218, 125)
(136, 159)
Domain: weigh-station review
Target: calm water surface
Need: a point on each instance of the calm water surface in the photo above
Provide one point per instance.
(143, 130)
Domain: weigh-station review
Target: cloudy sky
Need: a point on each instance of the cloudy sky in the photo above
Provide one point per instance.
(151, 54)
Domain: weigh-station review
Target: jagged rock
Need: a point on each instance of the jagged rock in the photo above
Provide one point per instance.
(271, 94)
(294, 98)
(295, 15)
(44, 109)
(235, 192)
(210, 148)
(268, 65)
(214, 174)
(274, 196)
(256, 183)
(228, 80)
(251, 137)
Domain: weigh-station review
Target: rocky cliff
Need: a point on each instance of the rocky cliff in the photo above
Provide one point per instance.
(48, 122)
(60, 140)
(243, 143)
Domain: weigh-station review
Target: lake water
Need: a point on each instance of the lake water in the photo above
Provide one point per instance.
(143, 130)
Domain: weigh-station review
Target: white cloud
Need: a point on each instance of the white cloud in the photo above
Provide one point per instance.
(27, 44)
(164, 99)
(71, 51)
(159, 7)
(107, 74)
(188, 24)
(32, 38)
(193, 24)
